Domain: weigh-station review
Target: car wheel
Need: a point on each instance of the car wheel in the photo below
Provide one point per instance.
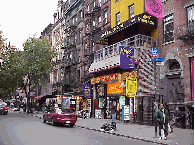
(52, 122)
(72, 124)
(44, 120)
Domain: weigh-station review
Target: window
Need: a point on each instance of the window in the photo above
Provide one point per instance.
(105, 17)
(87, 8)
(94, 4)
(99, 3)
(93, 22)
(99, 22)
(168, 28)
(87, 28)
(131, 11)
(190, 15)
(93, 44)
(118, 18)
(117, 0)
(105, 1)
(85, 48)
(81, 14)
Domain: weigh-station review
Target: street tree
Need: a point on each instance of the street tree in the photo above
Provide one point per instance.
(35, 64)
(8, 80)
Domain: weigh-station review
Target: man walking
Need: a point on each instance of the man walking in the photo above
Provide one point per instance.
(113, 111)
(162, 117)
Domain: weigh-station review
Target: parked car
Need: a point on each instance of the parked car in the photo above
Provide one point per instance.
(3, 108)
(60, 115)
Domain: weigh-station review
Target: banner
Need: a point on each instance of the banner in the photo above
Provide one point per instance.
(127, 60)
(154, 8)
(114, 88)
(87, 91)
(192, 74)
(131, 87)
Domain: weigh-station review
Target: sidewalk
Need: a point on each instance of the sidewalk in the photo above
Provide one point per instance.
(135, 131)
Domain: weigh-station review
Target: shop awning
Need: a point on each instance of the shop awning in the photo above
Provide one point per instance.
(105, 64)
(39, 97)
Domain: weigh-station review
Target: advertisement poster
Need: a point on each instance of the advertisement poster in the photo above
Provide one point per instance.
(122, 101)
(97, 113)
(131, 105)
(127, 60)
(125, 112)
(101, 102)
(154, 8)
(131, 87)
(66, 102)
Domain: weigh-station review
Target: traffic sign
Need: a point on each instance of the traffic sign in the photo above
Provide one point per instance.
(154, 52)
(157, 60)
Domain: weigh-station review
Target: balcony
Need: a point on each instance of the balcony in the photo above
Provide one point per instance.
(185, 32)
(134, 41)
(71, 26)
(68, 45)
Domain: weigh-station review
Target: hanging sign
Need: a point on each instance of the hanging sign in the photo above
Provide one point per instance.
(127, 60)
(109, 78)
(154, 8)
(114, 88)
(87, 90)
(131, 87)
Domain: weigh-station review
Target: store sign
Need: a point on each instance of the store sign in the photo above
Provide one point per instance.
(127, 60)
(132, 74)
(131, 87)
(114, 88)
(154, 8)
(192, 74)
(109, 78)
(125, 112)
(100, 90)
(87, 90)
(95, 80)
(113, 30)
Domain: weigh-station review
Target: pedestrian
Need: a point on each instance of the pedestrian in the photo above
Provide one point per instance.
(113, 111)
(43, 107)
(161, 116)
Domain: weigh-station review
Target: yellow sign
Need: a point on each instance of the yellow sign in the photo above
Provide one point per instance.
(146, 19)
(95, 80)
(131, 87)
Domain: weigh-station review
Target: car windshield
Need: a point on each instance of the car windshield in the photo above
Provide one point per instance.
(62, 110)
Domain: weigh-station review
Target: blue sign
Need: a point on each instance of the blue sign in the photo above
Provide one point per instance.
(154, 52)
(87, 91)
(127, 60)
(157, 59)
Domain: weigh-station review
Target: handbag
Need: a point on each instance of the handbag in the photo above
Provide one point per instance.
(170, 128)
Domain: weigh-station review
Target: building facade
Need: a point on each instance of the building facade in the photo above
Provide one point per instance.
(176, 43)
(121, 71)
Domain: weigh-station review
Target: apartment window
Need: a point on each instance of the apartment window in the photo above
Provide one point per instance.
(105, 17)
(93, 22)
(99, 3)
(94, 4)
(131, 11)
(87, 8)
(190, 14)
(93, 44)
(81, 14)
(105, 1)
(117, 0)
(118, 18)
(99, 21)
(168, 28)
(85, 48)
(73, 21)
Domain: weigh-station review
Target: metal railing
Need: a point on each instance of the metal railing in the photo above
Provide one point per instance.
(134, 41)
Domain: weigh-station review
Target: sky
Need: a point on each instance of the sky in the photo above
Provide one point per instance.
(21, 19)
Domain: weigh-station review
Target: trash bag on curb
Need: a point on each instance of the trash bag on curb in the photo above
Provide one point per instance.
(108, 126)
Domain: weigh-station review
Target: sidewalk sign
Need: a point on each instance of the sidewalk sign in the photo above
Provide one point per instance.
(97, 113)
(125, 112)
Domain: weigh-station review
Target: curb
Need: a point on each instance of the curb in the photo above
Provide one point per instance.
(111, 133)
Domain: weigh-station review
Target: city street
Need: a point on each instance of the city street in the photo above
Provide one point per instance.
(21, 129)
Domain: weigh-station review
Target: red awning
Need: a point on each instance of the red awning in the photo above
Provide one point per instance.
(39, 97)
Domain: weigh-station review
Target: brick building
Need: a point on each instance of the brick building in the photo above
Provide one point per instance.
(176, 43)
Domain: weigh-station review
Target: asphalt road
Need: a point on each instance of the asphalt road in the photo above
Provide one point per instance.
(21, 129)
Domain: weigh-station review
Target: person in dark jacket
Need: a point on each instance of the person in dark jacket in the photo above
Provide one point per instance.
(162, 117)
